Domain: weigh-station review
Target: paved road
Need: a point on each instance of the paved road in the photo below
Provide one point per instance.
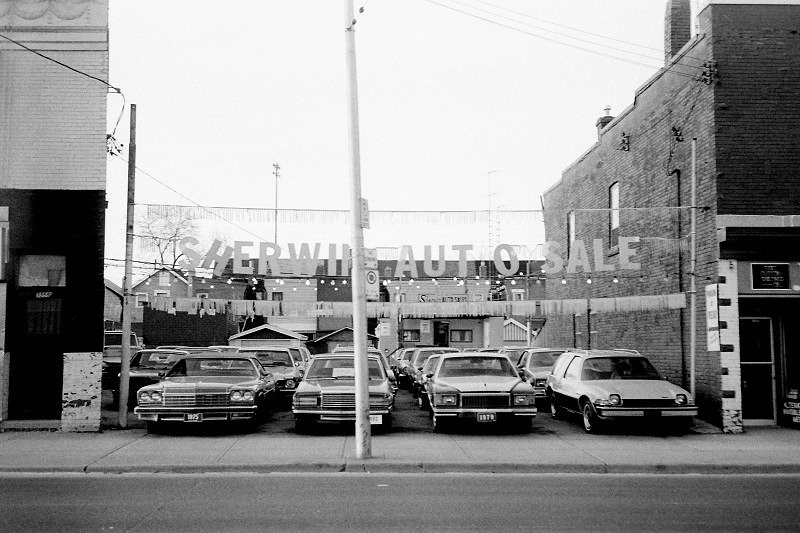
(398, 502)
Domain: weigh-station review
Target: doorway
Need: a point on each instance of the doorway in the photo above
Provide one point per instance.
(757, 358)
(441, 333)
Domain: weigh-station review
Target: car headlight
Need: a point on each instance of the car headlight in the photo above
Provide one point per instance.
(448, 400)
(149, 397)
(681, 399)
(242, 396)
(290, 383)
(522, 399)
(614, 399)
(306, 401)
(155, 396)
(540, 382)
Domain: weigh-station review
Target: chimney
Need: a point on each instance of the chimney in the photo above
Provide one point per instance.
(677, 27)
(602, 122)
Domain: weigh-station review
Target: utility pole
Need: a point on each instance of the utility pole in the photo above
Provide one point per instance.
(693, 275)
(363, 434)
(277, 173)
(125, 361)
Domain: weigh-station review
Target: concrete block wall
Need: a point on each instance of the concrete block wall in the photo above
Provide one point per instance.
(80, 410)
(730, 360)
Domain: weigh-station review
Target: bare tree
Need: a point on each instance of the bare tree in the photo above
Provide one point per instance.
(159, 236)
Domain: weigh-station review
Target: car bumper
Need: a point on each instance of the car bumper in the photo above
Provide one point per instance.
(337, 416)
(485, 415)
(647, 412)
(188, 414)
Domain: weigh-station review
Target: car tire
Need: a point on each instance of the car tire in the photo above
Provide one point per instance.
(555, 410)
(591, 423)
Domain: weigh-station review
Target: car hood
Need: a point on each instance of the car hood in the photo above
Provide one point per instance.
(283, 372)
(483, 383)
(637, 388)
(338, 386)
(540, 373)
(203, 384)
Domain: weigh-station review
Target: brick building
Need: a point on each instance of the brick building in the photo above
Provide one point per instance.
(52, 198)
(734, 86)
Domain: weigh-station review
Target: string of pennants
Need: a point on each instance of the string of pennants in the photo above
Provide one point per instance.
(526, 308)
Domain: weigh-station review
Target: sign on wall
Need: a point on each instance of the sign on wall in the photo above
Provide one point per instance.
(770, 276)
(712, 317)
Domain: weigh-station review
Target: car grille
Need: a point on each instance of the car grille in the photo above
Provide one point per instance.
(485, 402)
(654, 402)
(347, 402)
(196, 400)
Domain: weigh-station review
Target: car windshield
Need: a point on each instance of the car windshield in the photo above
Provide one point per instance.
(147, 359)
(423, 356)
(341, 368)
(206, 366)
(272, 357)
(597, 368)
(476, 366)
(544, 359)
(115, 339)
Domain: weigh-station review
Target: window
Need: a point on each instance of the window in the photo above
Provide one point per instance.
(572, 370)
(277, 296)
(518, 294)
(460, 335)
(570, 230)
(202, 295)
(141, 299)
(613, 218)
(411, 335)
(160, 293)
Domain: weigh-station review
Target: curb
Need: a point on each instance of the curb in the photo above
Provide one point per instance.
(361, 467)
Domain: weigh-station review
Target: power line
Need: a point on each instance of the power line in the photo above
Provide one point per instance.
(596, 52)
(647, 56)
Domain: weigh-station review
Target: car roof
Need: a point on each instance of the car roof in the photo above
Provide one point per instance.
(262, 348)
(217, 355)
(345, 355)
(450, 355)
(615, 352)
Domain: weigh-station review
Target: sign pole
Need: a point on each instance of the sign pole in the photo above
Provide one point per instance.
(363, 436)
(125, 360)
(693, 276)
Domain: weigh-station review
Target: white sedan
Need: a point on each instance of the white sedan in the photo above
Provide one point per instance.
(604, 385)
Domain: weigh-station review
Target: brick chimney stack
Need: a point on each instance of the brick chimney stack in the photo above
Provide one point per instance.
(603, 121)
(677, 27)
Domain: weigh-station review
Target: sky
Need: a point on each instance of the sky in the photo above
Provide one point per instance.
(463, 105)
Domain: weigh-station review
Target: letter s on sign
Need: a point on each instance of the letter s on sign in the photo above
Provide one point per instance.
(191, 257)
(552, 254)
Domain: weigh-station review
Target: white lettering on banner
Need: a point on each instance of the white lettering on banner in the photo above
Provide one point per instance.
(304, 262)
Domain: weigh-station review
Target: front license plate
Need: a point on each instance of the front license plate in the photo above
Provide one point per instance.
(486, 417)
(193, 417)
(375, 419)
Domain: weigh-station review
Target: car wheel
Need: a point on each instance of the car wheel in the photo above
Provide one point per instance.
(591, 424)
(555, 409)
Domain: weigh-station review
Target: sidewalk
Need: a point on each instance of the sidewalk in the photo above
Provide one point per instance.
(759, 450)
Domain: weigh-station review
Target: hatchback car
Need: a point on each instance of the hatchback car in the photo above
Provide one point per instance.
(605, 385)
(478, 387)
(417, 361)
(147, 367)
(535, 364)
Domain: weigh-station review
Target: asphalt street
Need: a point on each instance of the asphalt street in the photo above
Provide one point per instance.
(398, 502)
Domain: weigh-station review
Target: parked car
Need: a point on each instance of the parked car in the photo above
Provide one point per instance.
(208, 387)
(403, 361)
(146, 365)
(374, 352)
(327, 394)
(112, 357)
(224, 348)
(284, 365)
(427, 370)
(605, 385)
(535, 364)
(478, 387)
(417, 361)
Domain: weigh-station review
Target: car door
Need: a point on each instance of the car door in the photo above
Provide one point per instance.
(570, 383)
(522, 365)
(555, 381)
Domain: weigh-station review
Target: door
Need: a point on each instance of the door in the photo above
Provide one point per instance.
(758, 370)
(441, 333)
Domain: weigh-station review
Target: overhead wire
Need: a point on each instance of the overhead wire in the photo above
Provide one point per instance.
(570, 45)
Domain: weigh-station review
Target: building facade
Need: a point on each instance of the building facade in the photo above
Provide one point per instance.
(712, 138)
(52, 200)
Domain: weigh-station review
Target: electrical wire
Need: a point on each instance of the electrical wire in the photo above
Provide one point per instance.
(647, 56)
(596, 52)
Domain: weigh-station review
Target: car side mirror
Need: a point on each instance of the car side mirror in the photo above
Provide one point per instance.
(521, 375)
(429, 376)
(161, 374)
